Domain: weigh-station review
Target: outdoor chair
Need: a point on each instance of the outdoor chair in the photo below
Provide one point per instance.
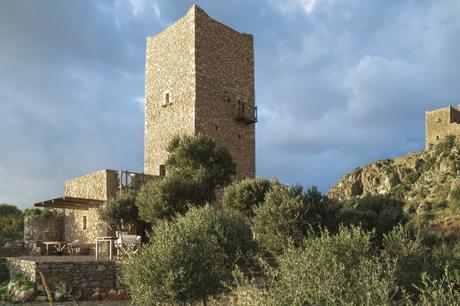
(127, 245)
(74, 247)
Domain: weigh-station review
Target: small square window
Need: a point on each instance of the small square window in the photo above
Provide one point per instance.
(439, 120)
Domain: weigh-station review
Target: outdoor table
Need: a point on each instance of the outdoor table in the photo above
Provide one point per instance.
(103, 240)
(58, 245)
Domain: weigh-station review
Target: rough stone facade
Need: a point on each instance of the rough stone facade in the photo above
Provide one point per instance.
(440, 123)
(38, 229)
(90, 276)
(100, 185)
(197, 71)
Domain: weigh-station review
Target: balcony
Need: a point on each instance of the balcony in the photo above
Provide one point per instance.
(245, 113)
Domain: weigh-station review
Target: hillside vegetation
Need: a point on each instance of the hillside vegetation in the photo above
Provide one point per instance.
(427, 182)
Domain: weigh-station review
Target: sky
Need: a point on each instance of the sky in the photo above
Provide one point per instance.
(339, 83)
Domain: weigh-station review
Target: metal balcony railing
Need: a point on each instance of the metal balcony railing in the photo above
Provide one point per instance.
(245, 112)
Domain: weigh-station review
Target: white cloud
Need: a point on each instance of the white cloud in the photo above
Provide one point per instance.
(289, 6)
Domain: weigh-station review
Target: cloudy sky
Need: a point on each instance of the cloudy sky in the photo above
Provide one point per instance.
(339, 83)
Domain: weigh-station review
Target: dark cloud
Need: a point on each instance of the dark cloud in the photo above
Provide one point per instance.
(338, 83)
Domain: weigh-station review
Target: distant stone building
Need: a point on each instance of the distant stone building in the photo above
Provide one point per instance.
(440, 123)
(199, 79)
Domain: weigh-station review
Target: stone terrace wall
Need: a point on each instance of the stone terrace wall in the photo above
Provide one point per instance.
(96, 279)
(100, 185)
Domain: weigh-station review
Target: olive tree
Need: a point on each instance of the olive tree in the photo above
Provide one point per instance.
(195, 167)
(189, 258)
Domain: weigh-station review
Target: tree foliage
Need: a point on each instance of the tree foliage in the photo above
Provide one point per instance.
(11, 222)
(245, 195)
(380, 212)
(286, 216)
(122, 209)
(328, 270)
(195, 168)
(189, 258)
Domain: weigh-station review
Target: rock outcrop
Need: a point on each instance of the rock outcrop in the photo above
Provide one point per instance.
(431, 175)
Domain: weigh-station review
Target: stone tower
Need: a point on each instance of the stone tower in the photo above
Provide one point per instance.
(199, 79)
(440, 123)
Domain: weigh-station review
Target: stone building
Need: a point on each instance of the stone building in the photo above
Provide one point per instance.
(199, 80)
(440, 123)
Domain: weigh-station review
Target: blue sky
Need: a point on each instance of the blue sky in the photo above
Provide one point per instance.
(339, 83)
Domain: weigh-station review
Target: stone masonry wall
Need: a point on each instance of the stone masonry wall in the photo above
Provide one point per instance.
(73, 225)
(441, 123)
(170, 69)
(100, 185)
(38, 229)
(224, 76)
(205, 68)
(92, 277)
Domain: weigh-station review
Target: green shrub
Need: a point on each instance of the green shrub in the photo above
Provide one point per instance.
(329, 270)
(410, 256)
(443, 291)
(286, 215)
(394, 178)
(195, 167)
(381, 213)
(189, 258)
(246, 194)
(122, 209)
(64, 292)
(412, 177)
(45, 213)
(20, 289)
(445, 145)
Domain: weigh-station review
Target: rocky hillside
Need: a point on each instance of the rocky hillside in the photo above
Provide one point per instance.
(424, 179)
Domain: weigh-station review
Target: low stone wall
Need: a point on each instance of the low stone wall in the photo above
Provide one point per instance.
(96, 279)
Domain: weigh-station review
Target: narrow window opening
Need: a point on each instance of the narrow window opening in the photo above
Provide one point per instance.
(167, 98)
(437, 137)
(84, 223)
(162, 170)
(216, 127)
(439, 120)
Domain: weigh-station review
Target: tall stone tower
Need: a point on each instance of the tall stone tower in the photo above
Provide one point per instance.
(199, 79)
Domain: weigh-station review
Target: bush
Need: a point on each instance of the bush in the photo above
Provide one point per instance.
(411, 258)
(280, 219)
(20, 289)
(195, 168)
(443, 291)
(174, 194)
(121, 209)
(381, 213)
(328, 270)
(286, 216)
(45, 213)
(65, 292)
(245, 195)
(189, 258)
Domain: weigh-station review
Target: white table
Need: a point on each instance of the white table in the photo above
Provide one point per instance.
(105, 239)
(58, 245)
